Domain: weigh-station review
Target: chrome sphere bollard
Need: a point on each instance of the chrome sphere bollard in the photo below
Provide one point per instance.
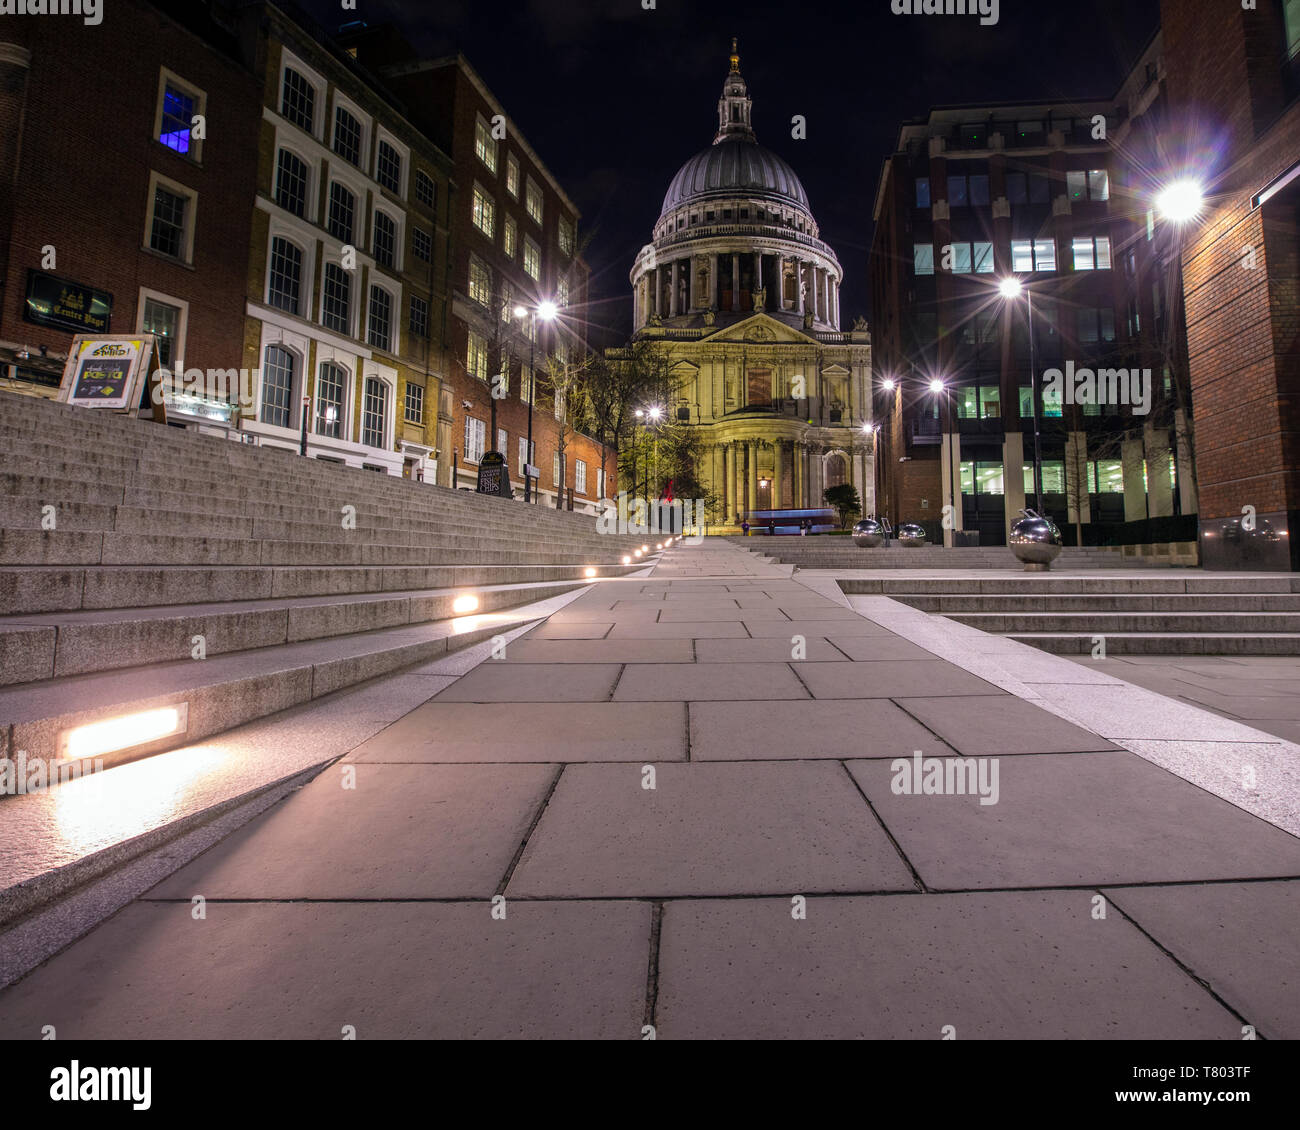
(868, 534)
(1036, 541)
(912, 536)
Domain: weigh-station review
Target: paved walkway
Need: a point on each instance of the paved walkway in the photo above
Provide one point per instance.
(676, 804)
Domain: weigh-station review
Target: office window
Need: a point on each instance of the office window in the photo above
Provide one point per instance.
(419, 320)
(503, 441)
(291, 183)
(485, 212)
(512, 175)
(347, 136)
(480, 281)
(1106, 476)
(580, 477)
(533, 200)
(285, 289)
(983, 258)
(485, 145)
(475, 439)
(1096, 325)
(374, 412)
(1291, 24)
(957, 192)
(163, 320)
(331, 381)
(507, 302)
(532, 260)
(1022, 255)
(343, 210)
(555, 469)
(967, 403)
(381, 319)
(527, 453)
(168, 231)
(388, 168)
(923, 258)
(567, 236)
(923, 192)
(510, 238)
(298, 100)
(476, 357)
(1040, 189)
(979, 190)
(561, 293)
(414, 413)
(179, 106)
(1017, 188)
(424, 189)
(421, 245)
(385, 240)
(336, 299)
(961, 263)
(277, 386)
(527, 384)
(1092, 254)
(1083, 184)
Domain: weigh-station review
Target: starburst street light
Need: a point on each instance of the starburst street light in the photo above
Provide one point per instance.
(937, 385)
(1181, 201)
(1011, 288)
(547, 311)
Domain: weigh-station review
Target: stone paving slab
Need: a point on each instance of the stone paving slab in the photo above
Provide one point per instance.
(1241, 938)
(260, 971)
(706, 829)
(711, 612)
(878, 648)
(777, 650)
(736, 731)
(890, 680)
(1101, 818)
(993, 726)
(532, 732)
(534, 682)
(715, 630)
(404, 831)
(598, 651)
(699, 682)
(1014, 965)
(550, 631)
(823, 626)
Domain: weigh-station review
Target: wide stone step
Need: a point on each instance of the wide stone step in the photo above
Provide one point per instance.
(219, 694)
(1164, 623)
(1158, 643)
(1164, 582)
(1097, 603)
(53, 645)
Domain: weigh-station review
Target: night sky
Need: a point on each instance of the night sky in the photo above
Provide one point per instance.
(615, 98)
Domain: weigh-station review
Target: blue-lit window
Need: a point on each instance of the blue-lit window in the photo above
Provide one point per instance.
(179, 108)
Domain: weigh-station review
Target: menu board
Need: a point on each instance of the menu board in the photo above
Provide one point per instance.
(105, 371)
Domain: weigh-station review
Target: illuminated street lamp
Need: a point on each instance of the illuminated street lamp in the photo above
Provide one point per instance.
(1181, 202)
(1011, 288)
(547, 311)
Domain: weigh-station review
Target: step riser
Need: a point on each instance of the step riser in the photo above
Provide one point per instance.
(1101, 605)
(79, 649)
(1165, 646)
(1156, 623)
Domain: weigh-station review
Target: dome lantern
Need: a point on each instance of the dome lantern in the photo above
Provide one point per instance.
(735, 106)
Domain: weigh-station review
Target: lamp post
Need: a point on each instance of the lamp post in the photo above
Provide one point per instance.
(546, 311)
(939, 387)
(1011, 289)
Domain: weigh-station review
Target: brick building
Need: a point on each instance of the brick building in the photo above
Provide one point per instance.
(991, 220)
(346, 280)
(514, 235)
(1234, 82)
(114, 216)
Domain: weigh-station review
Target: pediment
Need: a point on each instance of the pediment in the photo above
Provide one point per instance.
(761, 330)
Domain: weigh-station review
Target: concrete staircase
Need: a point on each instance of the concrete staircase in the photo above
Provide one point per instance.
(128, 549)
(833, 552)
(1179, 612)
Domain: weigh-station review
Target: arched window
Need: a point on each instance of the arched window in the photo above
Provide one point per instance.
(285, 285)
(331, 388)
(374, 412)
(385, 240)
(836, 470)
(277, 386)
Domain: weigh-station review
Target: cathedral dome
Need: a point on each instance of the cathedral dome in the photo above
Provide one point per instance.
(735, 165)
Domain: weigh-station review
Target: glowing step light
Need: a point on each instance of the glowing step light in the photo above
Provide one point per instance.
(464, 603)
(131, 731)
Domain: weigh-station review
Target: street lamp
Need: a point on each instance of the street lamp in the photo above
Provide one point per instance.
(547, 312)
(1011, 289)
(1181, 202)
(939, 386)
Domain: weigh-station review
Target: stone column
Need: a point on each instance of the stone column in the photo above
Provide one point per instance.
(729, 481)
(777, 476)
(735, 283)
(654, 290)
(798, 287)
(1159, 486)
(757, 284)
(1132, 455)
(714, 283)
(672, 289)
(752, 495)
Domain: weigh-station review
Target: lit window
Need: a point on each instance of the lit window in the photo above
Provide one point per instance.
(485, 145)
(532, 260)
(510, 238)
(179, 106)
(507, 302)
(533, 200)
(983, 258)
(480, 281)
(923, 258)
(1094, 184)
(1092, 254)
(475, 439)
(580, 476)
(476, 356)
(277, 386)
(961, 264)
(485, 212)
(512, 175)
(331, 382)
(566, 237)
(923, 192)
(561, 292)
(163, 321)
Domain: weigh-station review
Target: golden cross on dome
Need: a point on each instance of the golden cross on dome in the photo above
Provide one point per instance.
(735, 57)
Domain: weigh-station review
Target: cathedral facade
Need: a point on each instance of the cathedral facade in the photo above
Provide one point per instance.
(738, 287)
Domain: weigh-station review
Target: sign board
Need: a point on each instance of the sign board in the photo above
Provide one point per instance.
(66, 305)
(494, 475)
(107, 371)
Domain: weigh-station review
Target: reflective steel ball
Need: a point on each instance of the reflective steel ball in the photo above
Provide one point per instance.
(912, 535)
(1036, 541)
(868, 534)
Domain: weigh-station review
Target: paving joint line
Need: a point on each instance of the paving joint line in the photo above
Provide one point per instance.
(528, 834)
